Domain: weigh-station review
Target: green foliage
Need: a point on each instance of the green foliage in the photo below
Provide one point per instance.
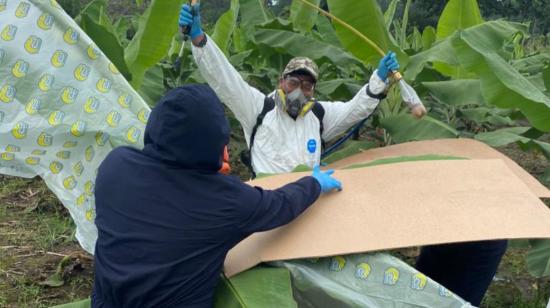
(538, 260)
(257, 287)
(302, 16)
(225, 26)
(149, 45)
(367, 17)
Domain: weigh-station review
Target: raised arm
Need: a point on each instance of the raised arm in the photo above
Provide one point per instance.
(243, 100)
(340, 116)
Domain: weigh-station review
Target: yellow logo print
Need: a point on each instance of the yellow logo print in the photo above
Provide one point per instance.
(55, 118)
(22, 10)
(44, 139)
(391, 276)
(56, 167)
(78, 168)
(362, 271)
(32, 44)
(33, 106)
(46, 82)
(103, 85)
(68, 95)
(70, 144)
(39, 152)
(55, 4)
(91, 105)
(33, 161)
(20, 69)
(81, 199)
(12, 148)
(78, 128)
(90, 215)
(3, 5)
(89, 153)
(81, 72)
(63, 154)
(113, 68)
(69, 182)
(45, 21)
(8, 33)
(93, 52)
(19, 131)
(132, 135)
(143, 115)
(125, 100)
(337, 263)
(113, 118)
(419, 281)
(7, 156)
(101, 138)
(89, 188)
(7, 93)
(70, 36)
(59, 58)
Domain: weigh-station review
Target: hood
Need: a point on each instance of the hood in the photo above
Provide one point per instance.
(188, 128)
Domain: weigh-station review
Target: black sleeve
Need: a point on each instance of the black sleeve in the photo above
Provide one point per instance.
(280, 206)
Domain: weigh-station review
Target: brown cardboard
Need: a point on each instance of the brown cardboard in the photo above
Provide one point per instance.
(468, 148)
(401, 205)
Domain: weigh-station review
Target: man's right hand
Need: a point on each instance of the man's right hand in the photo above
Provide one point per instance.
(325, 179)
(190, 17)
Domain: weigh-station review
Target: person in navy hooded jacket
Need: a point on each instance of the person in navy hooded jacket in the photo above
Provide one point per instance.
(166, 217)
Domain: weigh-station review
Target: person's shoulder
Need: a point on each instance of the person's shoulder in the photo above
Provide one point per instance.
(118, 156)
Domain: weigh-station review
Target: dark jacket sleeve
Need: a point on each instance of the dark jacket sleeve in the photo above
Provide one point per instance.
(280, 206)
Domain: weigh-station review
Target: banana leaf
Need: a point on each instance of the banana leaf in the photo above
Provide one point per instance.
(107, 42)
(297, 44)
(366, 17)
(503, 136)
(225, 26)
(456, 92)
(258, 287)
(501, 84)
(403, 128)
(546, 77)
(457, 15)
(252, 12)
(326, 31)
(538, 258)
(428, 37)
(390, 13)
(302, 16)
(157, 26)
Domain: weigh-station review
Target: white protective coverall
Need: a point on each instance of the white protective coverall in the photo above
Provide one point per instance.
(281, 143)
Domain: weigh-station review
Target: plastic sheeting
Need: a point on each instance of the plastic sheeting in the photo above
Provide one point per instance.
(365, 280)
(63, 106)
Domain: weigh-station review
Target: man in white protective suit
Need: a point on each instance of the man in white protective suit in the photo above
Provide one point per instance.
(285, 128)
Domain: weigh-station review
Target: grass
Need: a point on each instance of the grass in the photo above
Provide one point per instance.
(37, 233)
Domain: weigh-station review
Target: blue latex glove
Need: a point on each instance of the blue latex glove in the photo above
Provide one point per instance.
(387, 64)
(325, 179)
(190, 17)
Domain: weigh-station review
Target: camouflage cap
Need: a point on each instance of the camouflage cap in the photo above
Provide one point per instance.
(302, 64)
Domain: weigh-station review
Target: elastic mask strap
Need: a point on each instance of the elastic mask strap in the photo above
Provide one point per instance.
(307, 107)
(282, 97)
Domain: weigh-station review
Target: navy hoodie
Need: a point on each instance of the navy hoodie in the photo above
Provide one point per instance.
(166, 218)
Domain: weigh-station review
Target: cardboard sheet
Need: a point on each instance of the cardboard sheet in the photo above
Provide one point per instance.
(401, 205)
(463, 147)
